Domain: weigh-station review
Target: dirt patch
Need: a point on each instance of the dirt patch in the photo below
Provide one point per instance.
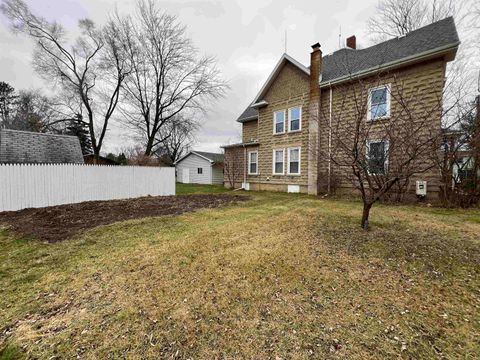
(57, 223)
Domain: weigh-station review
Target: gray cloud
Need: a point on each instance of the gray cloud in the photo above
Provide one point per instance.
(247, 38)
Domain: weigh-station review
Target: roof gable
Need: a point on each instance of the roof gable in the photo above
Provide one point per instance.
(212, 158)
(436, 39)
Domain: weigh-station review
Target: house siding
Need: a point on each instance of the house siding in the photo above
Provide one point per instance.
(290, 88)
(217, 174)
(192, 162)
(250, 131)
(423, 82)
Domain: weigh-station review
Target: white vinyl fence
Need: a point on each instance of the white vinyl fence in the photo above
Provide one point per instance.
(24, 185)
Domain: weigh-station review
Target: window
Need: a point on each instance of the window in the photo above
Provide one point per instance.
(295, 118)
(278, 160)
(294, 161)
(253, 163)
(279, 122)
(199, 171)
(377, 157)
(379, 102)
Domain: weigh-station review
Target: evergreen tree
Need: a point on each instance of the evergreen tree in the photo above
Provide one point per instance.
(77, 127)
(7, 101)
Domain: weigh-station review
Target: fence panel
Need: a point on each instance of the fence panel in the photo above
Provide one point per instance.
(39, 185)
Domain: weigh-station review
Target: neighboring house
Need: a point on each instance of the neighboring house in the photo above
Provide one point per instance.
(280, 142)
(25, 147)
(198, 167)
(102, 160)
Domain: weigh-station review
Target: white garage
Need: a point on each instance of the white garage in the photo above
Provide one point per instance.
(199, 167)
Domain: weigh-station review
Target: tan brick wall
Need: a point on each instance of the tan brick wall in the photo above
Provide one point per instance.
(291, 88)
(419, 85)
(250, 131)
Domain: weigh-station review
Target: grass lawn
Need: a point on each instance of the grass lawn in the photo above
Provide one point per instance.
(280, 276)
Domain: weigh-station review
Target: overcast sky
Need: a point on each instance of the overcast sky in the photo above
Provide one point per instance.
(247, 38)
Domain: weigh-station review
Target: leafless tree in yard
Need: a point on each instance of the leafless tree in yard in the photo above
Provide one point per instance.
(379, 150)
(92, 68)
(234, 165)
(168, 74)
(176, 137)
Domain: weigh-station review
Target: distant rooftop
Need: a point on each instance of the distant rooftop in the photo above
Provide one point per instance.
(25, 147)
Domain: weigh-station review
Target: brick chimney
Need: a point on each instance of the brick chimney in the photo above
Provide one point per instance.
(352, 42)
(314, 119)
(315, 69)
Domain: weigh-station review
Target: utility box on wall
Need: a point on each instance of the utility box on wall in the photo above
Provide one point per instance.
(421, 188)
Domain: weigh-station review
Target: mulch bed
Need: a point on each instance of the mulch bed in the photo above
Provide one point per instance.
(58, 223)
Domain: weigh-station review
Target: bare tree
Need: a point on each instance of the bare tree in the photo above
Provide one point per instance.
(381, 156)
(176, 138)
(91, 68)
(168, 75)
(398, 17)
(234, 167)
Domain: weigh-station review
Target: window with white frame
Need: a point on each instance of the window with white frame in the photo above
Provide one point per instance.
(379, 102)
(278, 160)
(253, 163)
(377, 157)
(295, 118)
(279, 122)
(293, 161)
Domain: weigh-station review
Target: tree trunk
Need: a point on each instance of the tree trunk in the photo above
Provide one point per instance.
(365, 215)
(149, 147)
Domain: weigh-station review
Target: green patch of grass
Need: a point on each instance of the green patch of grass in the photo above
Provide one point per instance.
(184, 189)
(281, 275)
(11, 352)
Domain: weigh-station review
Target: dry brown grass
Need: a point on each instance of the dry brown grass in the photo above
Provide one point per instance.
(279, 276)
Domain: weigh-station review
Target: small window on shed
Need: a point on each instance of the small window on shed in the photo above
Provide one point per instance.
(199, 171)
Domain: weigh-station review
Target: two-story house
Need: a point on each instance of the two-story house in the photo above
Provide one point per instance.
(283, 147)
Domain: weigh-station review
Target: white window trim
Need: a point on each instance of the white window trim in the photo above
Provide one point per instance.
(275, 123)
(283, 162)
(386, 154)
(369, 116)
(299, 120)
(299, 160)
(249, 162)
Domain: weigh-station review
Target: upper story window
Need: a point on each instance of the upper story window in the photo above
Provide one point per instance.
(295, 118)
(279, 122)
(293, 161)
(377, 157)
(379, 102)
(199, 171)
(253, 163)
(278, 160)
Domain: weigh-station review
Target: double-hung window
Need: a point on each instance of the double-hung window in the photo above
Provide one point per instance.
(377, 157)
(293, 161)
(379, 102)
(278, 160)
(199, 171)
(295, 118)
(279, 122)
(253, 163)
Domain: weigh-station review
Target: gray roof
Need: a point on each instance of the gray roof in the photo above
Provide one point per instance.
(346, 62)
(25, 147)
(215, 157)
(249, 114)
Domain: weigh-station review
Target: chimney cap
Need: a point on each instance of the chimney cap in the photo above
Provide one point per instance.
(316, 46)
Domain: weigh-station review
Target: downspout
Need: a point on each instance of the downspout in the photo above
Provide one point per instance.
(330, 142)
